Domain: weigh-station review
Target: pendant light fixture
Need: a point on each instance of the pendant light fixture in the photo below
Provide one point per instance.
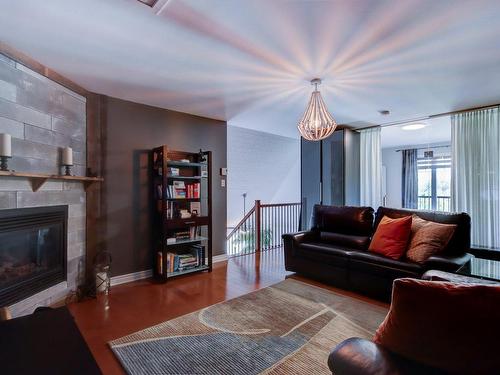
(317, 123)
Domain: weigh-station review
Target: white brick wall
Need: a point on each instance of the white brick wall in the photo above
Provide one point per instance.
(265, 166)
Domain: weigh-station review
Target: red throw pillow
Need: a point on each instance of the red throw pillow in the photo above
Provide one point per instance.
(452, 327)
(391, 237)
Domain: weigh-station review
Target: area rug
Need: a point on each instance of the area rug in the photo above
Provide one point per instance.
(287, 328)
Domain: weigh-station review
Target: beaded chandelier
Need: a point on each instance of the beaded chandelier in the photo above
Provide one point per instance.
(317, 123)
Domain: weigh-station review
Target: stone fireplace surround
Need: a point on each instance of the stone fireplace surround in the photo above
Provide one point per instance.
(42, 117)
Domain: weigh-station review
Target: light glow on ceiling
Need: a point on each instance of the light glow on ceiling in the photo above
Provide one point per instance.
(414, 126)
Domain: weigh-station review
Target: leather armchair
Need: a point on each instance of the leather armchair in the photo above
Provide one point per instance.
(357, 356)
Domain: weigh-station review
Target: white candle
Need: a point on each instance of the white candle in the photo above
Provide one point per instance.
(5, 145)
(67, 156)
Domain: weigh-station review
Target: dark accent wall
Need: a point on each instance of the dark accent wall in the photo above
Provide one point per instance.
(132, 130)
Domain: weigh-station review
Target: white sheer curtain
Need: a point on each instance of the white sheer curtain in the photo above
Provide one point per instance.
(370, 168)
(475, 145)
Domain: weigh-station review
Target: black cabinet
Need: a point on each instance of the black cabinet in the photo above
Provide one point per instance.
(329, 172)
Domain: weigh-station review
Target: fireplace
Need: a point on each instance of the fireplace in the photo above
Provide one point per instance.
(32, 251)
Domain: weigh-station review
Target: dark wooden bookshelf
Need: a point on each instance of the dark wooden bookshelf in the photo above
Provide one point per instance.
(173, 217)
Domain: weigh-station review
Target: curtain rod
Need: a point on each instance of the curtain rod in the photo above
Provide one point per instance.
(429, 117)
(423, 148)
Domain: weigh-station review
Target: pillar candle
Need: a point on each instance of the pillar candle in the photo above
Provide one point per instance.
(67, 156)
(5, 145)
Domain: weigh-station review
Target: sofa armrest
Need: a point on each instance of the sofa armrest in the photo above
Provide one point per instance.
(291, 241)
(300, 237)
(356, 356)
(447, 262)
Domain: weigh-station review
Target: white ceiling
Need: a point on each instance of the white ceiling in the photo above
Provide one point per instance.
(249, 62)
(436, 131)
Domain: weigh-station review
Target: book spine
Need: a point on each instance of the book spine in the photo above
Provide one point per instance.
(159, 262)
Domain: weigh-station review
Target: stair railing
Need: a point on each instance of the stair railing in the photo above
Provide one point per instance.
(262, 227)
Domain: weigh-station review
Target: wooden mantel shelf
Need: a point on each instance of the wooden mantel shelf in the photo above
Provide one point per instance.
(38, 179)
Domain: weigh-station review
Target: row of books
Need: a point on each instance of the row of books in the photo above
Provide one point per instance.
(173, 262)
(181, 190)
(191, 234)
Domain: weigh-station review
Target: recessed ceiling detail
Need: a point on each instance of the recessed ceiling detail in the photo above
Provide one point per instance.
(249, 62)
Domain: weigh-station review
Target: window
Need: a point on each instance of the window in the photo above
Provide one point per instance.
(434, 182)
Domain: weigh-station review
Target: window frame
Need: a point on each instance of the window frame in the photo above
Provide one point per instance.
(434, 163)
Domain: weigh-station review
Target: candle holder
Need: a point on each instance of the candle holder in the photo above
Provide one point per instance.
(67, 170)
(4, 160)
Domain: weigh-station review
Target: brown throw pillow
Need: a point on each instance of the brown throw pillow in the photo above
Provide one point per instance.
(428, 238)
(452, 327)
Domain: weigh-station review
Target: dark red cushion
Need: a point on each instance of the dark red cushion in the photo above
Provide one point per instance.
(391, 237)
(452, 327)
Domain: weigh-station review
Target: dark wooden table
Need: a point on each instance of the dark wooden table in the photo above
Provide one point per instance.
(46, 342)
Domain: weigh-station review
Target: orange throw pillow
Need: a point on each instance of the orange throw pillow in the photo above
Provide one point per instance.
(391, 237)
(428, 238)
(452, 327)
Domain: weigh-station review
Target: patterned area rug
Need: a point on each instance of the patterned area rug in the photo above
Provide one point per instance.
(287, 328)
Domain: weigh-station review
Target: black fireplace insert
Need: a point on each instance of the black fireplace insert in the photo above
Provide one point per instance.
(32, 251)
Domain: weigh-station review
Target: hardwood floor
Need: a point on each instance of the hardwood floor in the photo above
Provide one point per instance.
(138, 305)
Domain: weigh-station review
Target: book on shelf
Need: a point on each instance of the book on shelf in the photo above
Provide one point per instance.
(193, 232)
(159, 191)
(172, 210)
(159, 262)
(193, 190)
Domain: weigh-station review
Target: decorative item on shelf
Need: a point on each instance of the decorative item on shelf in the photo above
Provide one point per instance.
(185, 214)
(67, 160)
(202, 157)
(5, 150)
(317, 123)
(195, 208)
(102, 270)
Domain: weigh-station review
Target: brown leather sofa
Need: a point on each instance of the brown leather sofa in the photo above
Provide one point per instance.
(335, 251)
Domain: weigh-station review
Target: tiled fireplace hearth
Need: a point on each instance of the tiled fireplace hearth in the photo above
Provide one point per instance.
(42, 117)
(32, 251)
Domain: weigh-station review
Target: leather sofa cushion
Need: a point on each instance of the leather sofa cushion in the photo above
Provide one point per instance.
(321, 252)
(460, 240)
(403, 264)
(453, 327)
(345, 240)
(356, 221)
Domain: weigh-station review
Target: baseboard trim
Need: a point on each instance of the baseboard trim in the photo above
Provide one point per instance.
(219, 258)
(146, 274)
(129, 277)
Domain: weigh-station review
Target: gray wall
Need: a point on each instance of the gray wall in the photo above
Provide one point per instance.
(132, 131)
(393, 162)
(263, 165)
(43, 116)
